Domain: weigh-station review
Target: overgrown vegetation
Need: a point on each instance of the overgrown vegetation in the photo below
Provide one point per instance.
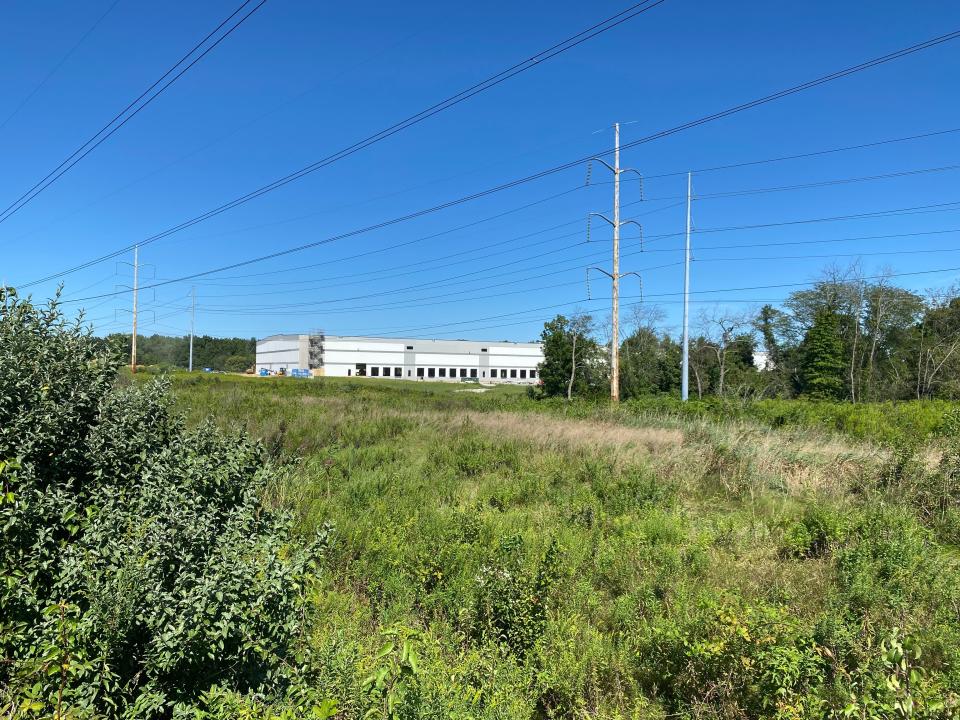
(494, 556)
(846, 338)
(566, 560)
(142, 573)
(165, 352)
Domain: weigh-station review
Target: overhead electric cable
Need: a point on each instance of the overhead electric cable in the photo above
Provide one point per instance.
(514, 183)
(936, 207)
(531, 62)
(59, 65)
(800, 156)
(129, 112)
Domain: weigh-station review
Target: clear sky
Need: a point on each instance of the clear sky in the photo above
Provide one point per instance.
(300, 80)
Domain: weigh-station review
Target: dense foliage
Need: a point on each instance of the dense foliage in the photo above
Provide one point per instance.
(496, 556)
(141, 574)
(227, 354)
(572, 364)
(845, 338)
(502, 557)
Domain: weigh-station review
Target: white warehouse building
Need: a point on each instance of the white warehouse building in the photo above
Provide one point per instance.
(433, 360)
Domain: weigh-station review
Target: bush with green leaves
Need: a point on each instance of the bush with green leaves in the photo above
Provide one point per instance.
(140, 570)
(512, 600)
(816, 532)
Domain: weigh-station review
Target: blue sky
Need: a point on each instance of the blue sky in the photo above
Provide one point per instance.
(300, 80)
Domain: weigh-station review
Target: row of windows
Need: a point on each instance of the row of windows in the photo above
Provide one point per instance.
(431, 372)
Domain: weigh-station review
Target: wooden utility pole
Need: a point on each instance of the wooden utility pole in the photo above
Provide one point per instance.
(615, 339)
(616, 274)
(193, 318)
(133, 343)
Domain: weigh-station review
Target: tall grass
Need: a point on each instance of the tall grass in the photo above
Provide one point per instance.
(573, 560)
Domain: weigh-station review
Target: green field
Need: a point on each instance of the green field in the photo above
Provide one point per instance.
(210, 547)
(565, 561)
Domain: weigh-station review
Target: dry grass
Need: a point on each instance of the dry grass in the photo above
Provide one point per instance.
(732, 454)
(551, 431)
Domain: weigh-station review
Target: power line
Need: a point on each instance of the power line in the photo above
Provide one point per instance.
(59, 65)
(113, 126)
(936, 207)
(810, 185)
(531, 62)
(420, 301)
(815, 282)
(647, 297)
(469, 251)
(665, 295)
(511, 184)
(818, 241)
(393, 270)
(800, 156)
(951, 206)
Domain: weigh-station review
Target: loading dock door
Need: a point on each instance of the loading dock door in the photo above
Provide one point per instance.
(361, 369)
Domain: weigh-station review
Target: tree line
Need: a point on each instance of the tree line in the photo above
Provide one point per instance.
(845, 338)
(228, 354)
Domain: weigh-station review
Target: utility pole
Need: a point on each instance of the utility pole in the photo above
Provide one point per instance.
(685, 374)
(193, 318)
(615, 339)
(616, 274)
(133, 343)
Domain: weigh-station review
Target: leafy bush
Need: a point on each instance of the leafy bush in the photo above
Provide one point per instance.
(934, 494)
(731, 660)
(889, 562)
(883, 422)
(512, 600)
(140, 568)
(815, 533)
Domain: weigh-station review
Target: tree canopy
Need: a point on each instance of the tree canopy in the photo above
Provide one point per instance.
(845, 337)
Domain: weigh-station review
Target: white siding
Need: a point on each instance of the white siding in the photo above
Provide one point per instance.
(341, 355)
(278, 352)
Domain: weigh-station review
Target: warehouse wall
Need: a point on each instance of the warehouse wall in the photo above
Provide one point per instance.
(435, 360)
(278, 351)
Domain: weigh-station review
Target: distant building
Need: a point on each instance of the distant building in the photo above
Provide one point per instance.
(762, 361)
(433, 360)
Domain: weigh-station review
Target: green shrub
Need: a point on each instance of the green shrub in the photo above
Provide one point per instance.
(140, 567)
(888, 563)
(512, 600)
(816, 532)
(731, 660)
